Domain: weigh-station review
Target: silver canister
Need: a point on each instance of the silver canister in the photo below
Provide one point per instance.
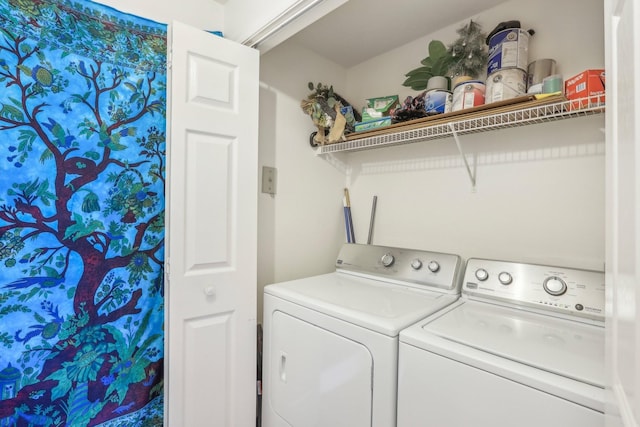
(536, 73)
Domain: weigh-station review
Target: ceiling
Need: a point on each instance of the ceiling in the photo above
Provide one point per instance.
(377, 26)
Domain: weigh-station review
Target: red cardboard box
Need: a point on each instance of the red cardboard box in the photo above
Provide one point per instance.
(589, 83)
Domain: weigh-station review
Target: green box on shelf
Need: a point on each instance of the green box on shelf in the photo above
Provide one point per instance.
(373, 124)
(383, 104)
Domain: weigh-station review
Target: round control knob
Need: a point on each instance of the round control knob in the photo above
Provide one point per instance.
(434, 266)
(387, 260)
(416, 264)
(481, 274)
(554, 286)
(505, 278)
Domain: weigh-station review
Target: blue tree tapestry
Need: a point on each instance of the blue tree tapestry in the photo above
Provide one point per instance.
(82, 174)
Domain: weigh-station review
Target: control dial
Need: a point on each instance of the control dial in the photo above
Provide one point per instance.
(416, 264)
(481, 274)
(387, 260)
(554, 286)
(505, 278)
(434, 266)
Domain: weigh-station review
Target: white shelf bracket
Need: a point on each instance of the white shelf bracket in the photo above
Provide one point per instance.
(338, 160)
(472, 174)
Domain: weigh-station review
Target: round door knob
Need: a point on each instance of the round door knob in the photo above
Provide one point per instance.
(387, 260)
(554, 286)
(505, 278)
(416, 264)
(434, 266)
(481, 274)
(210, 291)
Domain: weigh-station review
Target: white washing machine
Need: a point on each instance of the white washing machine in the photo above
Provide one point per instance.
(523, 346)
(331, 341)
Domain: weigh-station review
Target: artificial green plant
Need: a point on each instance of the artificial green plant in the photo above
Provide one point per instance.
(436, 64)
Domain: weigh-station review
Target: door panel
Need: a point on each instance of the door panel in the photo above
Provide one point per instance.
(210, 174)
(622, 20)
(211, 238)
(213, 84)
(202, 336)
(318, 378)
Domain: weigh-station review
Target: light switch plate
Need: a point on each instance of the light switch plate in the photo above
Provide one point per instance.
(269, 179)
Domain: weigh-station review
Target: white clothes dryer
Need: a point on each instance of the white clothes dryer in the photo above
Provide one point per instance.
(331, 341)
(523, 346)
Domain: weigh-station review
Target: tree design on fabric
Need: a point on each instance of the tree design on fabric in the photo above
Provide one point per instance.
(82, 146)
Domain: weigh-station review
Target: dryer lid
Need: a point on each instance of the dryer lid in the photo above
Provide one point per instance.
(373, 304)
(563, 347)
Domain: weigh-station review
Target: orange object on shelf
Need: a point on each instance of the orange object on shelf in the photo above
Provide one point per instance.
(587, 84)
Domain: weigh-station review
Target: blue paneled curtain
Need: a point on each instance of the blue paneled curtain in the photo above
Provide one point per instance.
(82, 174)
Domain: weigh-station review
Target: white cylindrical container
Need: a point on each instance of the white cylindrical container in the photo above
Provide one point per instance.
(437, 102)
(506, 84)
(438, 83)
(468, 94)
(508, 49)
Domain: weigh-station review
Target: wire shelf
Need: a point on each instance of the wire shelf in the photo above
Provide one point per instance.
(519, 115)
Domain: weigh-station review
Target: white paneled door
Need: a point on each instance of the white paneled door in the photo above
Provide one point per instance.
(622, 32)
(211, 231)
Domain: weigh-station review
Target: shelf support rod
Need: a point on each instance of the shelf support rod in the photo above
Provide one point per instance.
(472, 175)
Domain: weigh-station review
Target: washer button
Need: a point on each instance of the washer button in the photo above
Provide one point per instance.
(434, 266)
(387, 260)
(554, 286)
(481, 274)
(505, 278)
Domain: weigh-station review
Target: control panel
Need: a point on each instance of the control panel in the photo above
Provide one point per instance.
(411, 266)
(563, 290)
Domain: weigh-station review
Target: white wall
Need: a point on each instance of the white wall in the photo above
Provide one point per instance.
(540, 191)
(300, 229)
(539, 195)
(203, 14)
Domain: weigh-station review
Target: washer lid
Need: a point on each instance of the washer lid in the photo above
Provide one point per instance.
(376, 305)
(564, 347)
